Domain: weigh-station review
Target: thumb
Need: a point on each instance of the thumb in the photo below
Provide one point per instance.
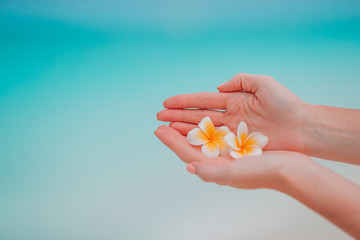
(210, 172)
(244, 82)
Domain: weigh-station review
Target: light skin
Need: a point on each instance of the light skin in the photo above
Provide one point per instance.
(296, 128)
(295, 174)
(269, 107)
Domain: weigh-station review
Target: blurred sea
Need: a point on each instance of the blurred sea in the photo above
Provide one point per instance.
(81, 83)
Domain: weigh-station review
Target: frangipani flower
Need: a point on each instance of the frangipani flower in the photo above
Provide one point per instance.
(211, 138)
(244, 144)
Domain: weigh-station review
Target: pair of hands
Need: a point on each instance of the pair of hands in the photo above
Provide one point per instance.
(260, 101)
(295, 130)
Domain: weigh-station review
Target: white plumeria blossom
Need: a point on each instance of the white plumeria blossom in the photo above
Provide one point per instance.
(245, 145)
(211, 138)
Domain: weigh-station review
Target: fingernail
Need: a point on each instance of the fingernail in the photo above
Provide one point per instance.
(157, 115)
(156, 131)
(221, 85)
(191, 168)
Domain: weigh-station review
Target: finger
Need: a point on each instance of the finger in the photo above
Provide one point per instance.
(190, 115)
(183, 128)
(211, 172)
(244, 82)
(209, 100)
(177, 143)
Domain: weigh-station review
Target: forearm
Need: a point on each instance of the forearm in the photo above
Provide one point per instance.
(332, 133)
(327, 193)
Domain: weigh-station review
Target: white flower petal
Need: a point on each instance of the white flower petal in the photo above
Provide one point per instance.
(210, 149)
(242, 132)
(219, 136)
(207, 126)
(197, 137)
(223, 146)
(253, 151)
(221, 131)
(232, 141)
(237, 154)
(256, 139)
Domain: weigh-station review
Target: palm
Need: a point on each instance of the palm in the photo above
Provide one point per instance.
(275, 116)
(249, 172)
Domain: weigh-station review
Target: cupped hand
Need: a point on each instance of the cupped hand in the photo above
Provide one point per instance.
(251, 172)
(260, 101)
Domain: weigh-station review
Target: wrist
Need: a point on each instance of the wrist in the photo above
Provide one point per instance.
(311, 129)
(286, 167)
(331, 133)
(307, 129)
(296, 129)
(322, 190)
(294, 171)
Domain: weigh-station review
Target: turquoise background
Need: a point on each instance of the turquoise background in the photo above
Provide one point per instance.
(81, 83)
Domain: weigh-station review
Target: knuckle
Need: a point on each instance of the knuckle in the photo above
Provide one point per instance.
(267, 78)
(240, 74)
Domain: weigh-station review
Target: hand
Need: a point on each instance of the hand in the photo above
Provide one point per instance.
(264, 171)
(260, 101)
(294, 174)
